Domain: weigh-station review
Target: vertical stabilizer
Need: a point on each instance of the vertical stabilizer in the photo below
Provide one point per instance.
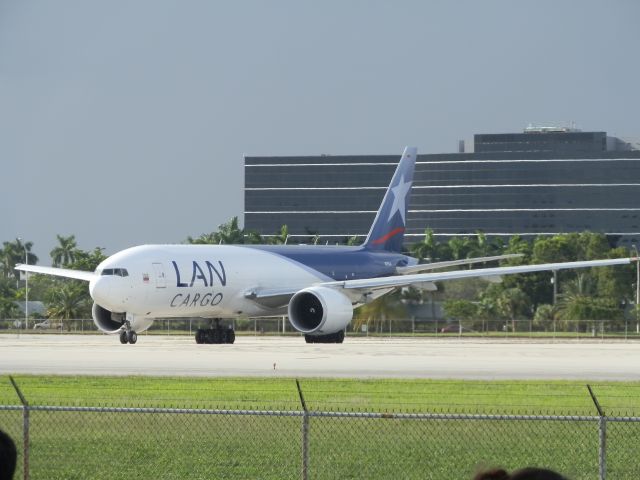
(387, 231)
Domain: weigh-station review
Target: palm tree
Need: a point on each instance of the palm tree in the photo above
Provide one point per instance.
(427, 248)
(8, 257)
(580, 300)
(378, 312)
(204, 239)
(354, 241)
(545, 316)
(459, 247)
(583, 284)
(68, 301)
(20, 248)
(512, 303)
(487, 308)
(585, 307)
(14, 253)
(464, 311)
(481, 246)
(282, 237)
(65, 252)
(252, 237)
(230, 233)
(8, 307)
(88, 260)
(4, 261)
(519, 245)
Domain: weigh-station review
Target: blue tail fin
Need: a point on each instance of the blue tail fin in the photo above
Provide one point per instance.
(387, 231)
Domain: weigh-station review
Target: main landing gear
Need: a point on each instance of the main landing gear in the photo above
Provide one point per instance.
(216, 333)
(128, 336)
(337, 337)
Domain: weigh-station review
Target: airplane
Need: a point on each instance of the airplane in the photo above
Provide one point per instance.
(316, 286)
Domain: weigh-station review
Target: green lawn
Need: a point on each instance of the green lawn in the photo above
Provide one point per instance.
(400, 395)
(114, 445)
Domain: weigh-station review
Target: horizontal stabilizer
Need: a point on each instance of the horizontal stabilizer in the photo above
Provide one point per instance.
(425, 267)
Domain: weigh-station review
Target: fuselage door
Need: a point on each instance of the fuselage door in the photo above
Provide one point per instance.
(161, 280)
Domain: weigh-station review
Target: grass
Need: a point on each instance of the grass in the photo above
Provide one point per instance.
(70, 445)
(379, 395)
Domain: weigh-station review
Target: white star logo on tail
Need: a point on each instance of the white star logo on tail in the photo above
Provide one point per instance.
(399, 196)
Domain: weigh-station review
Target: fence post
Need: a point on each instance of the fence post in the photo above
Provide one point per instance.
(305, 434)
(602, 450)
(25, 429)
(602, 430)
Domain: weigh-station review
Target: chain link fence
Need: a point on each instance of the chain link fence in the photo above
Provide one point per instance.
(78, 442)
(565, 329)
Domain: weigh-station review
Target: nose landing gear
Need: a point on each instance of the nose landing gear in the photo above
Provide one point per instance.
(215, 334)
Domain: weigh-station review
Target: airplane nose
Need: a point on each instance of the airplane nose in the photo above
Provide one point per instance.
(100, 289)
(110, 292)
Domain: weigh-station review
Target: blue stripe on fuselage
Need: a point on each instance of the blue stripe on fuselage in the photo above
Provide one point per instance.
(340, 262)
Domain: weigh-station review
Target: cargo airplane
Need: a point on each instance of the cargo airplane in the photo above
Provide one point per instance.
(318, 287)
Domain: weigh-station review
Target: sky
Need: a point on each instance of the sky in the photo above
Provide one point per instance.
(126, 123)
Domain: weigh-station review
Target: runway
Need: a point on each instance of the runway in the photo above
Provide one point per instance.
(487, 359)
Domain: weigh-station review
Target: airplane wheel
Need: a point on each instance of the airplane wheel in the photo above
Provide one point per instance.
(217, 336)
(123, 337)
(199, 337)
(133, 337)
(231, 336)
(337, 337)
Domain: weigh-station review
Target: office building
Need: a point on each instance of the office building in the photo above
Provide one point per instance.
(544, 181)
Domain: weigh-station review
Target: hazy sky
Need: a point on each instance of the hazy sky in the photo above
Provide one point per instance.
(126, 122)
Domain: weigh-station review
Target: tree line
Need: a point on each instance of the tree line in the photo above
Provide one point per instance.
(606, 293)
(64, 299)
(599, 293)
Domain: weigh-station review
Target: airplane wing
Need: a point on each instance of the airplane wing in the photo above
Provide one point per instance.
(271, 298)
(406, 280)
(59, 272)
(452, 263)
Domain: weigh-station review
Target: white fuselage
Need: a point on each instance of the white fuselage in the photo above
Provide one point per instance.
(195, 280)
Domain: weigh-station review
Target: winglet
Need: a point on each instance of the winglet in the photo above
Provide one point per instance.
(387, 231)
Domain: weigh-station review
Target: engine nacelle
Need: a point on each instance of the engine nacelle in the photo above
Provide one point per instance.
(105, 320)
(320, 311)
(112, 322)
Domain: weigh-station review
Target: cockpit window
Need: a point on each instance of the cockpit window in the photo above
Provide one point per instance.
(120, 272)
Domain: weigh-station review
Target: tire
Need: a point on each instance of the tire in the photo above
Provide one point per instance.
(199, 337)
(231, 336)
(133, 337)
(337, 337)
(123, 337)
(217, 336)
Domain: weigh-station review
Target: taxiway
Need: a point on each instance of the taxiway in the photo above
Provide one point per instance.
(485, 359)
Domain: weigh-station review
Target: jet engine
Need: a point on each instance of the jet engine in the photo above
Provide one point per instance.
(112, 322)
(105, 320)
(320, 311)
